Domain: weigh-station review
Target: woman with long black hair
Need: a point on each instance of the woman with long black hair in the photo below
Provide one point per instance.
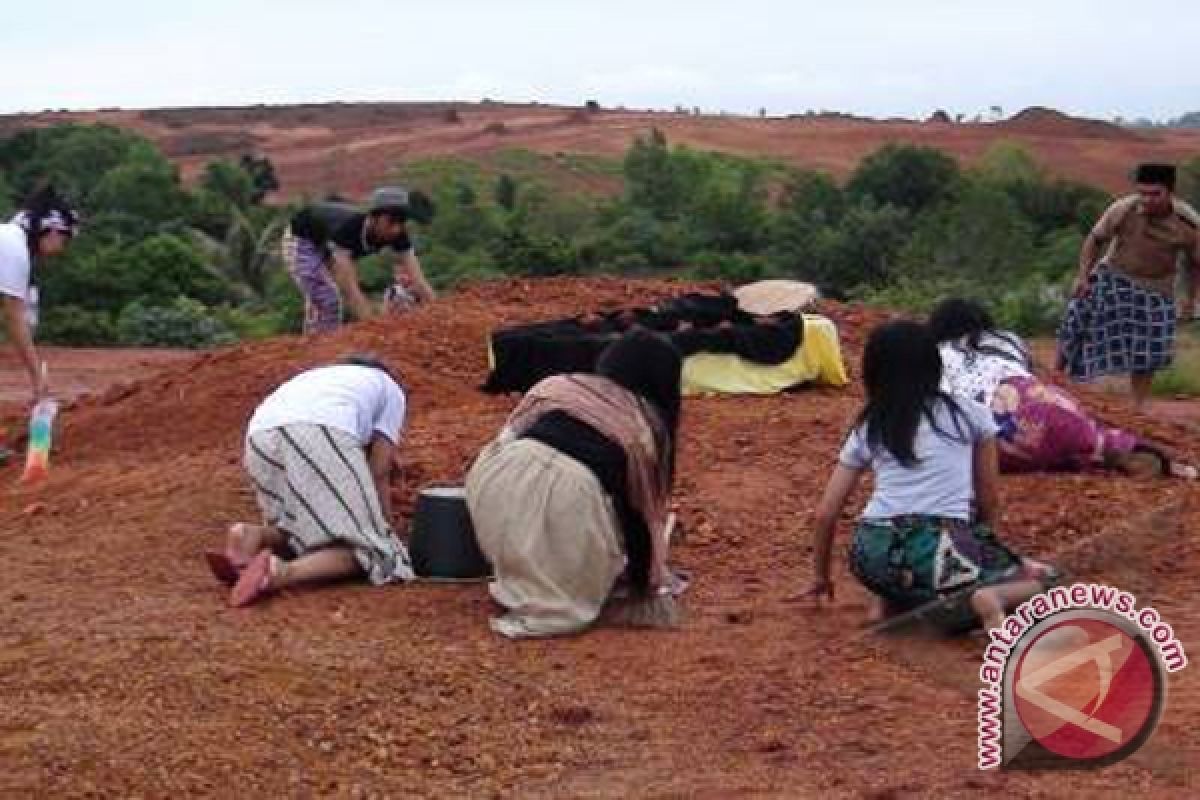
(41, 229)
(574, 492)
(926, 534)
(1042, 427)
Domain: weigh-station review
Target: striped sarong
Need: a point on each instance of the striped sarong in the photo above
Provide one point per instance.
(308, 266)
(314, 484)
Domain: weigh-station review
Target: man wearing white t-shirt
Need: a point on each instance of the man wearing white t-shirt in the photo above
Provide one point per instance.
(42, 229)
(319, 452)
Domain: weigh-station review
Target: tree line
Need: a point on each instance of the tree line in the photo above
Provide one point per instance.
(160, 263)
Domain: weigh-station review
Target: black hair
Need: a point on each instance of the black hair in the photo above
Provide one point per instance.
(369, 360)
(647, 364)
(958, 318)
(42, 203)
(394, 213)
(902, 371)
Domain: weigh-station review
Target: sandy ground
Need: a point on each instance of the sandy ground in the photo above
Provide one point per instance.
(124, 673)
(75, 371)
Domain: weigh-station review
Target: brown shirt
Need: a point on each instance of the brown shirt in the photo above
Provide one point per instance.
(1148, 248)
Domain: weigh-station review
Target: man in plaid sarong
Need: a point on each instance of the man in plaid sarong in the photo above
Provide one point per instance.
(1121, 319)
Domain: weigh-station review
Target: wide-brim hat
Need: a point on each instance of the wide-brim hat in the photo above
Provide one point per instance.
(775, 296)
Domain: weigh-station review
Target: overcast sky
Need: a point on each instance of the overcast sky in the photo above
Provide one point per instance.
(873, 57)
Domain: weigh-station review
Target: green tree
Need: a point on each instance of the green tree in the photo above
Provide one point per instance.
(982, 239)
(652, 181)
(7, 200)
(1006, 162)
(506, 192)
(230, 182)
(804, 231)
(867, 246)
(248, 252)
(147, 189)
(262, 174)
(1188, 187)
(906, 176)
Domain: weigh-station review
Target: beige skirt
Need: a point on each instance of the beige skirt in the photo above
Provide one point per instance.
(551, 534)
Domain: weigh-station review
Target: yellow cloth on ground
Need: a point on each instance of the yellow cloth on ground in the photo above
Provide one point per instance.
(818, 360)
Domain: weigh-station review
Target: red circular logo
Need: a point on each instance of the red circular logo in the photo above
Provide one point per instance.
(1085, 689)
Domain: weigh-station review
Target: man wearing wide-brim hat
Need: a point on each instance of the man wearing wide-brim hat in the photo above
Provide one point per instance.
(325, 240)
(1122, 318)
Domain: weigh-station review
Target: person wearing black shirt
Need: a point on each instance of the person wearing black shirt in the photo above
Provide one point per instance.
(325, 240)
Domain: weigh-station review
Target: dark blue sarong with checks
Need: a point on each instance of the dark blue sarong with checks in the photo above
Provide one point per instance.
(1117, 328)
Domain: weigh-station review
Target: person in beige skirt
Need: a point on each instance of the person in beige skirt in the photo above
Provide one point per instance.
(571, 498)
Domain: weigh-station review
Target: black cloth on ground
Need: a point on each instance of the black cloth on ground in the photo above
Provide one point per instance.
(605, 460)
(526, 354)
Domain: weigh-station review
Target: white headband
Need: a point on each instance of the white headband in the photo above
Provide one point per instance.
(63, 222)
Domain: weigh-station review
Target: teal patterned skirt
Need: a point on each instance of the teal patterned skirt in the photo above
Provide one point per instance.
(914, 560)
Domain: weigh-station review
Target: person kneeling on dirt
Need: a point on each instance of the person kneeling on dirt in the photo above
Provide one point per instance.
(573, 493)
(1041, 426)
(325, 240)
(933, 457)
(319, 453)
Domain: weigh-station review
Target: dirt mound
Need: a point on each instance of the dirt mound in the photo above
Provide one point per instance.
(124, 673)
(1041, 121)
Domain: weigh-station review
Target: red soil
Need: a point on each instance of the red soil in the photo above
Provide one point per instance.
(123, 672)
(350, 148)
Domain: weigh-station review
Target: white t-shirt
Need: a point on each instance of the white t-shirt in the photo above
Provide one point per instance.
(361, 401)
(975, 373)
(14, 261)
(941, 482)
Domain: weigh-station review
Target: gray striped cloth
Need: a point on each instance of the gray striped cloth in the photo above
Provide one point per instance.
(314, 484)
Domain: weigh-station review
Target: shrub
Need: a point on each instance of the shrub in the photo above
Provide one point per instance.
(185, 323)
(77, 327)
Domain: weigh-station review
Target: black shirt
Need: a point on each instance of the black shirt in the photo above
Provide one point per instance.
(329, 225)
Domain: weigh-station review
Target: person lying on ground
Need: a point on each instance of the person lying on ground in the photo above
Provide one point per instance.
(43, 228)
(319, 453)
(324, 241)
(1041, 426)
(573, 493)
(927, 532)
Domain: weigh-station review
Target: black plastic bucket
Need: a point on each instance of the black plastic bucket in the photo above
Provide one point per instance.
(442, 544)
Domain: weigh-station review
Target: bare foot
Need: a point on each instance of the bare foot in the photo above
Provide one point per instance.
(243, 541)
(1185, 471)
(877, 610)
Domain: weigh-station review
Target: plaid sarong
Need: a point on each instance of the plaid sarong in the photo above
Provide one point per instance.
(1118, 327)
(314, 484)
